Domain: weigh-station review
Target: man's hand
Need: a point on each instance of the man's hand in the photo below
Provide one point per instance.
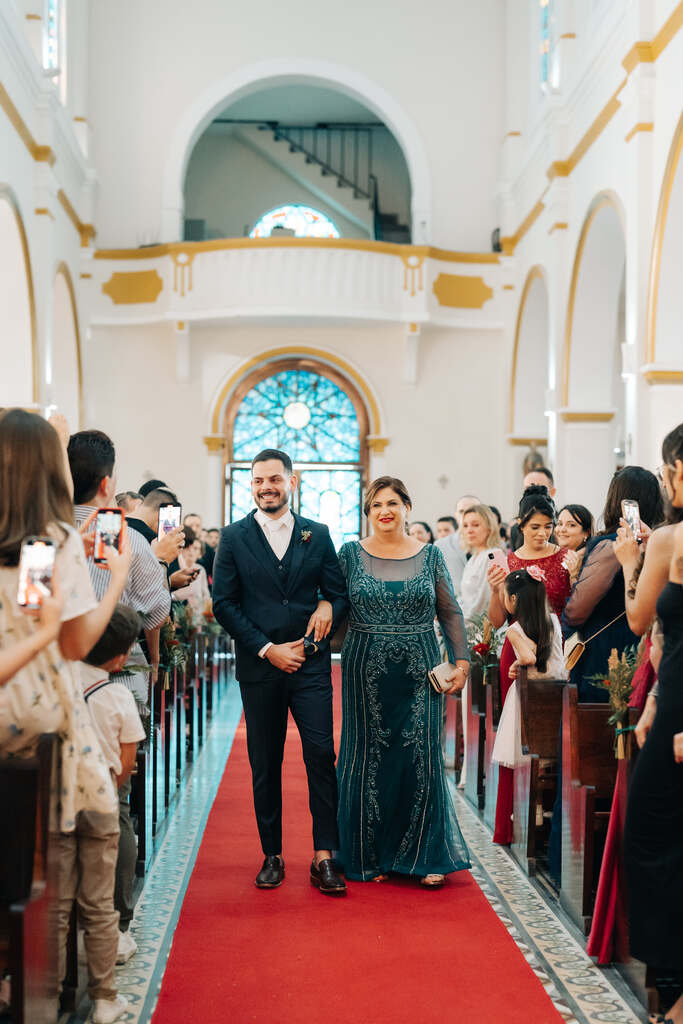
(87, 532)
(646, 719)
(183, 578)
(287, 657)
(320, 621)
(678, 747)
(166, 549)
(118, 563)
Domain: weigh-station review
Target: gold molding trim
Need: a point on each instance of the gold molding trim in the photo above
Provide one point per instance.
(508, 287)
(133, 287)
(528, 442)
(510, 243)
(647, 52)
(41, 154)
(215, 444)
(376, 444)
(68, 280)
(460, 291)
(568, 35)
(598, 204)
(7, 194)
(640, 53)
(85, 276)
(513, 135)
(42, 211)
(664, 376)
(86, 231)
(559, 225)
(34, 17)
(641, 126)
(355, 244)
(668, 180)
(534, 274)
(81, 120)
(586, 417)
(413, 273)
(298, 350)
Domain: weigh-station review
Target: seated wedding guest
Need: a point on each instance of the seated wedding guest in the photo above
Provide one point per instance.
(421, 531)
(88, 855)
(119, 730)
(451, 545)
(92, 459)
(536, 522)
(573, 531)
(480, 535)
(596, 607)
(446, 525)
(534, 639)
(502, 529)
(653, 831)
(196, 593)
(129, 501)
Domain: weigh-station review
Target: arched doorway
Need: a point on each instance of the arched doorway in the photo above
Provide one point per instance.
(529, 378)
(314, 414)
(66, 349)
(19, 377)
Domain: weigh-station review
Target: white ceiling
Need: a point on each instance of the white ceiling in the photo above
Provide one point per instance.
(299, 104)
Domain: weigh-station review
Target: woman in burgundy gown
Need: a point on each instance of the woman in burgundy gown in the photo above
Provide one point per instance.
(536, 520)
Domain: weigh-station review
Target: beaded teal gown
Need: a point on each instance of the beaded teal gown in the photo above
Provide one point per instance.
(396, 813)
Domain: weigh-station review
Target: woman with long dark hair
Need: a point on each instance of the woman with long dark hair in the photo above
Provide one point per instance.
(574, 529)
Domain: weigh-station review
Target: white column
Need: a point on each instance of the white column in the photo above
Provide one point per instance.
(585, 457)
(663, 406)
(215, 482)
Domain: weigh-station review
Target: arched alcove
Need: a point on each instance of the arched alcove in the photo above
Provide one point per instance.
(18, 356)
(595, 314)
(67, 383)
(309, 409)
(288, 71)
(529, 376)
(665, 300)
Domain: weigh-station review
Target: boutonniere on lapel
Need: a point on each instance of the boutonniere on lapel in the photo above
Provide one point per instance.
(305, 536)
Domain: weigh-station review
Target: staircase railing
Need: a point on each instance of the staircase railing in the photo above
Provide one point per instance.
(340, 151)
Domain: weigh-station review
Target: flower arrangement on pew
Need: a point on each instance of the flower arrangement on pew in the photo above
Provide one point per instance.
(185, 626)
(619, 684)
(173, 653)
(209, 624)
(483, 641)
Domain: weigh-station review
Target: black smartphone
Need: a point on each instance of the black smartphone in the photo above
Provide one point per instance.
(36, 566)
(169, 518)
(108, 530)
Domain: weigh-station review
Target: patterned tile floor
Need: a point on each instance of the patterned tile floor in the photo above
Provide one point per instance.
(582, 992)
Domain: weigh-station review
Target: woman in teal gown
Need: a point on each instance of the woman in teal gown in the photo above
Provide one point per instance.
(396, 812)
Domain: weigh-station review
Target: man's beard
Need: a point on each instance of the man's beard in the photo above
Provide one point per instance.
(281, 502)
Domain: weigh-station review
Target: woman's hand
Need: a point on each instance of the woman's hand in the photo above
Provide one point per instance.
(320, 622)
(118, 562)
(166, 549)
(626, 546)
(496, 577)
(49, 615)
(646, 719)
(87, 533)
(458, 677)
(678, 747)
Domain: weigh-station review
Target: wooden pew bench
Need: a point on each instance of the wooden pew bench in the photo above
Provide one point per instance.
(535, 780)
(589, 770)
(493, 710)
(475, 712)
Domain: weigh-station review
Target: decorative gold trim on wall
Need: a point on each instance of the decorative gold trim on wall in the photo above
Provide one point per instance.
(42, 211)
(7, 194)
(640, 53)
(534, 274)
(513, 135)
(66, 274)
(568, 35)
(586, 417)
(42, 154)
(354, 244)
(34, 17)
(598, 204)
(461, 291)
(297, 351)
(528, 442)
(215, 444)
(642, 126)
(668, 180)
(664, 376)
(86, 231)
(559, 225)
(85, 276)
(413, 274)
(508, 287)
(510, 243)
(133, 287)
(377, 445)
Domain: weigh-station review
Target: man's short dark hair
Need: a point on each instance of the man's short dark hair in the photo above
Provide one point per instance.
(546, 472)
(191, 515)
(449, 519)
(91, 457)
(214, 529)
(159, 496)
(118, 638)
(273, 453)
(150, 485)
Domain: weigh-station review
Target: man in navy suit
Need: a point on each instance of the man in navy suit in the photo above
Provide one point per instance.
(269, 573)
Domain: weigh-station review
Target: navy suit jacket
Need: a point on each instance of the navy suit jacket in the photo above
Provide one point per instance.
(255, 606)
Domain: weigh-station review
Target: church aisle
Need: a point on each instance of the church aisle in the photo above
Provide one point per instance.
(389, 952)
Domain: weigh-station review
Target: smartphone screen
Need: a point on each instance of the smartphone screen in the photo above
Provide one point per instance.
(36, 566)
(630, 510)
(169, 518)
(108, 526)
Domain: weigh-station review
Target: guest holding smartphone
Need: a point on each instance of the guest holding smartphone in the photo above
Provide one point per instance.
(196, 593)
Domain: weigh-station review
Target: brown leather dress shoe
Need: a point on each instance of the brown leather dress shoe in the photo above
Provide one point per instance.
(271, 874)
(325, 878)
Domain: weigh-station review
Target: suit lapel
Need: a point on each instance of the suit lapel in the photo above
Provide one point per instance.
(298, 551)
(257, 550)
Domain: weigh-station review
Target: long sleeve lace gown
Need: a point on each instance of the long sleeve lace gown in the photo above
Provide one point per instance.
(395, 810)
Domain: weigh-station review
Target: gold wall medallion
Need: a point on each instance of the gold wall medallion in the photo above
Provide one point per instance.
(413, 279)
(182, 272)
(128, 288)
(460, 291)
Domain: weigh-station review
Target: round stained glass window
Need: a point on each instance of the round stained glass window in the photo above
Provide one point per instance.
(297, 415)
(304, 221)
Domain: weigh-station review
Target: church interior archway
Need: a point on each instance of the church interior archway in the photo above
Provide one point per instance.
(66, 349)
(529, 379)
(666, 271)
(18, 381)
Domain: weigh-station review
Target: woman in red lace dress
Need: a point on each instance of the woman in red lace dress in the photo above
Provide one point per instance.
(536, 520)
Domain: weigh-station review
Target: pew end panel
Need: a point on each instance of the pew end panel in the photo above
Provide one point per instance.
(476, 738)
(493, 710)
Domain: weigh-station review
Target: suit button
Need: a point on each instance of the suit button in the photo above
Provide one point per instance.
(285, 601)
(281, 568)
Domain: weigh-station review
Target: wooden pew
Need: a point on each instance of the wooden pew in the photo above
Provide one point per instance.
(28, 882)
(170, 737)
(589, 770)
(475, 710)
(158, 709)
(493, 710)
(180, 725)
(202, 685)
(450, 735)
(535, 780)
(192, 702)
(141, 791)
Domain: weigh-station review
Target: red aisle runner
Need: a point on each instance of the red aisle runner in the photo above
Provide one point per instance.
(385, 953)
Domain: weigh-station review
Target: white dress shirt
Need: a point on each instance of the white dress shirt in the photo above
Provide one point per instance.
(278, 534)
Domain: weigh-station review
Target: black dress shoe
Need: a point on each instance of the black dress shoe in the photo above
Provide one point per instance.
(324, 876)
(271, 874)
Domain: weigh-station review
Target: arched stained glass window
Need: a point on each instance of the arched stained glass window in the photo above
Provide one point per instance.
(304, 221)
(314, 420)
